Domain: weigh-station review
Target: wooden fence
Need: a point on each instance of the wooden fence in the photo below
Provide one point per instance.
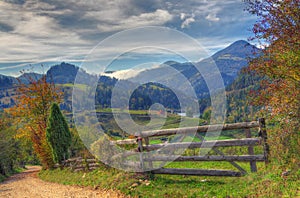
(143, 145)
(80, 164)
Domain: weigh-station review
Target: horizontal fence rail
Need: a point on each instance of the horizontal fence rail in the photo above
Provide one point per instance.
(206, 144)
(206, 128)
(240, 158)
(196, 172)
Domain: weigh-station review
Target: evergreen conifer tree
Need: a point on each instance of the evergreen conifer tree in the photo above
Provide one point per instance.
(58, 134)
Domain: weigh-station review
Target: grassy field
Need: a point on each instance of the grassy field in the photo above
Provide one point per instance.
(261, 184)
(267, 182)
(69, 85)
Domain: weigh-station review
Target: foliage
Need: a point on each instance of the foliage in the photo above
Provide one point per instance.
(7, 150)
(58, 134)
(239, 105)
(142, 97)
(278, 29)
(31, 114)
(77, 147)
(14, 153)
(103, 150)
(206, 114)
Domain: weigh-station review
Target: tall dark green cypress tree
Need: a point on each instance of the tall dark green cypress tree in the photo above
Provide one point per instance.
(58, 134)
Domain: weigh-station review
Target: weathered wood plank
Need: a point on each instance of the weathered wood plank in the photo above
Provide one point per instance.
(240, 158)
(85, 160)
(140, 149)
(209, 128)
(93, 168)
(205, 144)
(126, 141)
(93, 165)
(91, 160)
(253, 167)
(196, 172)
(72, 160)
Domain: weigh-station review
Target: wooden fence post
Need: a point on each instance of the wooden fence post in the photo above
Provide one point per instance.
(263, 135)
(140, 149)
(251, 152)
(147, 141)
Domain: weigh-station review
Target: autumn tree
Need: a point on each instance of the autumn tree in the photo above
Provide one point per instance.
(277, 29)
(31, 113)
(58, 134)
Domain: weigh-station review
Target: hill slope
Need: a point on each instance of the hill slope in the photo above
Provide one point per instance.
(229, 61)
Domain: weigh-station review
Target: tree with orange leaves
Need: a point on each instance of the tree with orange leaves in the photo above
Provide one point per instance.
(278, 28)
(31, 114)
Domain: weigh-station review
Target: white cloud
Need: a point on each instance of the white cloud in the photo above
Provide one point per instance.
(41, 30)
(182, 16)
(159, 17)
(186, 23)
(35, 37)
(37, 5)
(125, 74)
(134, 72)
(212, 17)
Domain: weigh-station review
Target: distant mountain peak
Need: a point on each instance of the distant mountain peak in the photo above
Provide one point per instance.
(240, 48)
(64, 66)
(170, 63)
(26, 78)
(240, 42)
(66, 73)
(62, 73)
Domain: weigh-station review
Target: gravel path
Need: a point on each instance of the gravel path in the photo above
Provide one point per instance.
(27, 184)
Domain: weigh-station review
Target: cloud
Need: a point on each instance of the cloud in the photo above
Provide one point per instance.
(38, 5)
(182, 16)
(212, 17)
(159, 17)
(15, 1)
(186, 23)
(132, 73)
(33, 37)
(125, 74)
(43, 30)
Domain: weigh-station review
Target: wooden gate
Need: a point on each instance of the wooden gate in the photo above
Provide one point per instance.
(143, 145)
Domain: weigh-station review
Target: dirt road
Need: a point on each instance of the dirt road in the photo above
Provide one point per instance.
(27, 184)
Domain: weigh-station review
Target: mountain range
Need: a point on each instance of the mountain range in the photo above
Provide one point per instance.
(179, 76)
(229, 62)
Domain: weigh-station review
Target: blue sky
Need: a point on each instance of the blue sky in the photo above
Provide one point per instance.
(52, 31)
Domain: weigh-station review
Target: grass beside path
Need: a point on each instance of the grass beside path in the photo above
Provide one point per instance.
(15, 171)
(2, 178)
(262, 184)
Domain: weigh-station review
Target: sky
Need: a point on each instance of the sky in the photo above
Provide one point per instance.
(34, 32)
